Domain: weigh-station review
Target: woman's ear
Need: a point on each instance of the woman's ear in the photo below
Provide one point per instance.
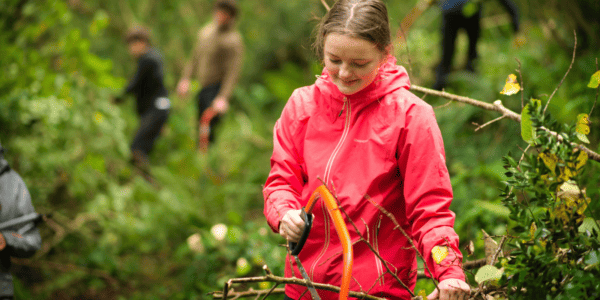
(388, 50)
(384, 55)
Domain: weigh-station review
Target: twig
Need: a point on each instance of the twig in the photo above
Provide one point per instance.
(567, 73)
(325, 4)
(521, 76)
(497, 106)
(441, 106)
(410, 240)
(385, 263)
(498, 250)
(597, 90)
(407, 50)
(488, 123)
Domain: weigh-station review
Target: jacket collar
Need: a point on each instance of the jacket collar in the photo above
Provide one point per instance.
(390, 78)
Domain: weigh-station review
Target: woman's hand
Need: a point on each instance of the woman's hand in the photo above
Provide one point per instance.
(291, 225)
(451, 289)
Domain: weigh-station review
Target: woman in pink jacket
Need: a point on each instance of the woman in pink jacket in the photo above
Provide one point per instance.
(360, 131)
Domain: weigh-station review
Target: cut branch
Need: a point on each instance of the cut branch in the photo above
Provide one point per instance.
(280, 280)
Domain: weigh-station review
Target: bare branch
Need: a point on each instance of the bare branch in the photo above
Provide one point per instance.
(280, 280)
(567, 73)
(521, 76)
(597, 90)
(384, 262)
(498, 107)
(397, 226)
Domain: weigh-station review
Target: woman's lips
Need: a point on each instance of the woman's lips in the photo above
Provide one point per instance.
(349, 82)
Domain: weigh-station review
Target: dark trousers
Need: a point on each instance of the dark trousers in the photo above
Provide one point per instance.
(452, 22)
(205, 99)
(151, 122)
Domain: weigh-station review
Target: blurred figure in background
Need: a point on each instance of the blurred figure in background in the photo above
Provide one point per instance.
(216, 61)
(147, 86)
(18, 235)
(463, 14)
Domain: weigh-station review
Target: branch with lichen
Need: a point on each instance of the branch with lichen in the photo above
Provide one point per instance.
(497, 107)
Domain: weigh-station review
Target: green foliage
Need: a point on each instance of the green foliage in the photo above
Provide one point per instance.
(553, 253)
(127, 239)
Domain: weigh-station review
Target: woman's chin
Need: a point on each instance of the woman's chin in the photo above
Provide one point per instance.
(349, 89)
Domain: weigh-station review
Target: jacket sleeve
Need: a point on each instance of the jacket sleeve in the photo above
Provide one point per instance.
(24, 239)
(283, 189)
(427, 191)
(144, 67)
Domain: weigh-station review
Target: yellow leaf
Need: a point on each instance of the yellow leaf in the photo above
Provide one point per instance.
(583, 122)
(572, 203)
(99, 117)
(423, 294)
(512, 86)
(550, 160)
(581, 160)
(439, 253)
(532, 230)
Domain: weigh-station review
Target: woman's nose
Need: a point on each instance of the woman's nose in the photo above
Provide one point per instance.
(344, 72)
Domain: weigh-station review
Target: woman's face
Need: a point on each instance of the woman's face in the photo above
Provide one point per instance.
(351, 62)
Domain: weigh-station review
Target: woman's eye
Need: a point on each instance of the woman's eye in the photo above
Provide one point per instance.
(359, 65)
(335, 61)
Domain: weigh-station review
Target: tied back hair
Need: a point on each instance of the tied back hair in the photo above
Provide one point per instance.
(364, 19)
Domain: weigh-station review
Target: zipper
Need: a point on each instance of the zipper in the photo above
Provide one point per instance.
(342, 139)
(326, 179)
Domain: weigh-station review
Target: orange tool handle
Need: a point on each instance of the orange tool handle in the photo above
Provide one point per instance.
(342, 231)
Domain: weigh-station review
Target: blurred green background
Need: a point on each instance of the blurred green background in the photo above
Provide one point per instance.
(114, 236)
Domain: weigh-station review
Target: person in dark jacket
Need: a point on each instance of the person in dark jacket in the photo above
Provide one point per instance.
(147, 86)
(18, 235)
(465, 14)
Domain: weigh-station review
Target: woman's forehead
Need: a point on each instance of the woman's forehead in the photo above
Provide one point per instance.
(353, 47)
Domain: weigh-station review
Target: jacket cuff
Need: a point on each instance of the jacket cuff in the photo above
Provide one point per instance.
(276, 205)
(451, 266)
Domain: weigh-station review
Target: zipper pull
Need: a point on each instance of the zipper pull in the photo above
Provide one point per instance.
(343, 106)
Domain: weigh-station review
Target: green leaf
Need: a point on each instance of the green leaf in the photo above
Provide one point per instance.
(588, 224)
(488, 272)
(595, 80)
(527, 130)
(582, 137)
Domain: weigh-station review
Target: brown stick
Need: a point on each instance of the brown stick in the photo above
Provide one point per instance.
(285, 280)
(498, 107)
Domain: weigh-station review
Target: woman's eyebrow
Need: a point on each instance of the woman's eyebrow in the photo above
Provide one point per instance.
(365, 60)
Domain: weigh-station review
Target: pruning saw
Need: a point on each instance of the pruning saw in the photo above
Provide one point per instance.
(340, 226)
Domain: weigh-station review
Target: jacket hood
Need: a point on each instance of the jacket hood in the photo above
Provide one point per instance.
(390, 78)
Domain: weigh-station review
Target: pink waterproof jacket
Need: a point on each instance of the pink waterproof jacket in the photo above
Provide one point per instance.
(383, 144)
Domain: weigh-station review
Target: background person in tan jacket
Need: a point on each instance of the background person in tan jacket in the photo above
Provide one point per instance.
(216, 61)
